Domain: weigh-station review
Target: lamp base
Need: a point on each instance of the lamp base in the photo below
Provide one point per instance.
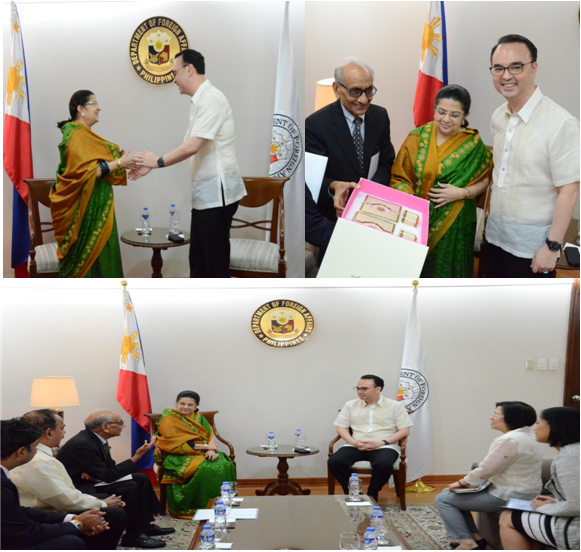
(419, 487)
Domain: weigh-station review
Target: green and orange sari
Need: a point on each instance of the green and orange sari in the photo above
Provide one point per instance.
(192, 480)
(82, 207)
(461, 161)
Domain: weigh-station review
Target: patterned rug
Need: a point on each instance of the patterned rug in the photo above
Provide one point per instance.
(420, 525)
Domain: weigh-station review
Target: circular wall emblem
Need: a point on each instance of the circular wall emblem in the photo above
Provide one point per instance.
(413, 389)
(286, 150)
(282, 323)
(153, 48)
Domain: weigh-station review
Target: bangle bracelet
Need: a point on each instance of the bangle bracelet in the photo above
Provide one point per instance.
(467, 193)
(119, 164)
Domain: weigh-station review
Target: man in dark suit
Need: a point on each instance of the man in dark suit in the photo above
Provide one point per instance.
(87, 459)
(30, 529)
(350, 133)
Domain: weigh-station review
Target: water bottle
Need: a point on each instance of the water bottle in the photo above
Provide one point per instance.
(376, 517)
(271, 441)
(207, 538)
(370, 539)
(226, 493)
(145, 228)
(299, 438)
(354, 486)
(173, 219)
(219, 520)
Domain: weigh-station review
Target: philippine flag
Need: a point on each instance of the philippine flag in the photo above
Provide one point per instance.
(433, 73)
(17, 144)
(132, 388)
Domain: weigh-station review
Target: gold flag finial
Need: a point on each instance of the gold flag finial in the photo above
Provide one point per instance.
(124, 284)
(415, 283)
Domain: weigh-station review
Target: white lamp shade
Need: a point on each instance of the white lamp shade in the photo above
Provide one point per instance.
(54, 392)
(324, 94)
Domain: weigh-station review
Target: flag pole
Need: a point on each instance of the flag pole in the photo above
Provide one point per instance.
(419, 486)
(124, 284)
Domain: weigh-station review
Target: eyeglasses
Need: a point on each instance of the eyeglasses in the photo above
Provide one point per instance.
(514, 69)
(174, 73)
(455, 115)
(363, 388)
(356, 92)
(496, 415)
(95, 103)
(120, 422)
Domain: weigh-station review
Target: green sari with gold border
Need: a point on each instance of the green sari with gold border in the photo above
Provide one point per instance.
(461, 161)
(191, 479)
(82, 206)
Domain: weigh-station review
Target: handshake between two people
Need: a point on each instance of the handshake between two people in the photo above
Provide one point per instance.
(139, 165)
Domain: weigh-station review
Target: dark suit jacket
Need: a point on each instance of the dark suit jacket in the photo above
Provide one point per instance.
(327, 133)
(85, 453)
(25, 528)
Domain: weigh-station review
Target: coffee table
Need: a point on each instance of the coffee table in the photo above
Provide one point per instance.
(157, 241)
(298, 523)
(282, 485)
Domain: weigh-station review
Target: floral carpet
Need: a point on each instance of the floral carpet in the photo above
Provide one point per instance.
(420, 525)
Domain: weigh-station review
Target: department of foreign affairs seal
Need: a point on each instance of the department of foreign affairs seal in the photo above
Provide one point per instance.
(286, 150)
(282, 323)
(413, 389)
(153, 49)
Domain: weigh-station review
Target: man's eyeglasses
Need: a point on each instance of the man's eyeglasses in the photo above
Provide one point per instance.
(496, 415)
(363, 389)
(356, 92)
(514, 69)
(174, 73)
(119, 423)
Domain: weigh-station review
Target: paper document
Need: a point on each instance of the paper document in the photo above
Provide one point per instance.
(226, 546)
(240, 513)
(356, 504)
(518, 504)
(373, 164)
(103, 483)
(315, 166)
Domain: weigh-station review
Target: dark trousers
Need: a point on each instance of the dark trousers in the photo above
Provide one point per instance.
(65, 542)
(210, 241)
(140, 500)
(498, 263)
(381, 460)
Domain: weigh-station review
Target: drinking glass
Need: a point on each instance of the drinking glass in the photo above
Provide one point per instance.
(382, 529)
(349, 541)
(234, 487)
(355, 490)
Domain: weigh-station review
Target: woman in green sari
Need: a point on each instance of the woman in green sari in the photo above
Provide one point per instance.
(446, 163)
(194, 469)
(81, 197)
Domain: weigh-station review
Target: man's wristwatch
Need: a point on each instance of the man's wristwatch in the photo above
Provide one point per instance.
(553, 245)
(385, 442)
(160, 162)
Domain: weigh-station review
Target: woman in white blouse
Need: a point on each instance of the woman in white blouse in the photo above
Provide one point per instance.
(512, 467)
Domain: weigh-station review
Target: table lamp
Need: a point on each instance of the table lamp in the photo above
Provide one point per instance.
(324, 94)
(54, 393)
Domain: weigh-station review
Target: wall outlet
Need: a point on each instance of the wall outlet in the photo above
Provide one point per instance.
(542, 363)
(554, 364)
(530, 364)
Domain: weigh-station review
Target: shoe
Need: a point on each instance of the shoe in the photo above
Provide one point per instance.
(454, 545)
(482, 544)
(153, 530)
(142, 541)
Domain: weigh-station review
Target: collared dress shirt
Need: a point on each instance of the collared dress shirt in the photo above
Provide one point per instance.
(214, 169)
(44, 484)
(351, 122)
(375, 422)
(535, 152)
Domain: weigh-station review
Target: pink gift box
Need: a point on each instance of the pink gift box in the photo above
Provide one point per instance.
(407, 201)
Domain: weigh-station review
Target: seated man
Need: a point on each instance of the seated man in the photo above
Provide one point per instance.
(378, 424)
(87, 459)
(44, 483)
(27, 528)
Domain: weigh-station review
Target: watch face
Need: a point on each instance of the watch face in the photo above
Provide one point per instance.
(160, 162)
(553, 245)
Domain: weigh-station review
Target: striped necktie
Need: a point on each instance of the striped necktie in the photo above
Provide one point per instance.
(358, 140)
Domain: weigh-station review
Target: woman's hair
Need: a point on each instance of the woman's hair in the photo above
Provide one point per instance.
(80, 97)
(517, 414)
(456, 93)
(564, 425)
(189, 395)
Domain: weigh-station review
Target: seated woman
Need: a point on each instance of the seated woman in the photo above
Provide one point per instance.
(194, 468)
(446, 163)
(512, 466)
(557, 521)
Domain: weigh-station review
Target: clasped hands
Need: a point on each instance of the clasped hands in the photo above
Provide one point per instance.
(368, 445)
(446, 193)
(93, 522)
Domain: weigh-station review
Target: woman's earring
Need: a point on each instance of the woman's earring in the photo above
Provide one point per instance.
(82, 114)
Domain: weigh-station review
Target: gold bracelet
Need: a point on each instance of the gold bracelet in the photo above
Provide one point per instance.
(119, 163)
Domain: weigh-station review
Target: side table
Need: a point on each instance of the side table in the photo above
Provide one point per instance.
(282, 485)
(157, 241)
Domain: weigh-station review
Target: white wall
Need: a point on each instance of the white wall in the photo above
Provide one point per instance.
(85, 45)
(476, 339)
(388, 36)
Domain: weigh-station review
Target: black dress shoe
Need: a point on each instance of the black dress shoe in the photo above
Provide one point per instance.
(153, 530)
(142, 541)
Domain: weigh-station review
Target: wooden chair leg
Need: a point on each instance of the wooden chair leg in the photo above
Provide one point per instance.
(399, 481)
(330, 482)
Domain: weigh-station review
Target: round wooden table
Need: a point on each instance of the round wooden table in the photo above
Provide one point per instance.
(282, 485)
(157, 241)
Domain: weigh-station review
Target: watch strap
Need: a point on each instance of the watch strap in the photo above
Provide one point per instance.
(553, 245)
(161, 162)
